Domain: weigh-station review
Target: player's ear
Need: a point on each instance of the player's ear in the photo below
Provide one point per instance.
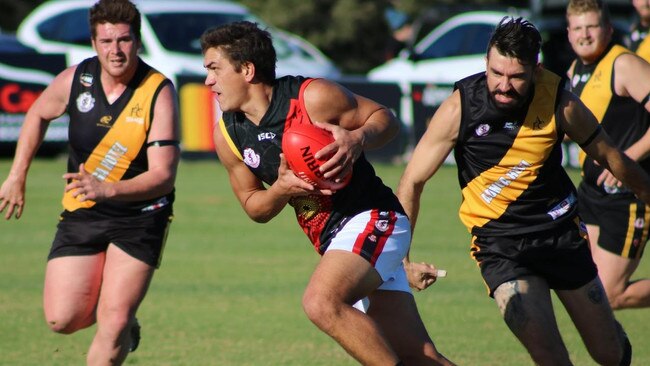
(248, 70)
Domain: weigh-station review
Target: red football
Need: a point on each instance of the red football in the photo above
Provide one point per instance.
(299, 144)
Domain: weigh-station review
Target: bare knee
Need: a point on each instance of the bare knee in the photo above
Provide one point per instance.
(321, 310)
(67, 325)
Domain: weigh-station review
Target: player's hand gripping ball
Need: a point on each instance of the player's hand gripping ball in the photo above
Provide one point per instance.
(299, 144)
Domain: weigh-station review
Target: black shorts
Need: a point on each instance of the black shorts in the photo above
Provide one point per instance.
(623, 220)
(561, 256)
(85, 232)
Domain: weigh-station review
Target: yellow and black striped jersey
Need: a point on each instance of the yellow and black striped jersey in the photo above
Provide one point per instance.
(510, 163)
(639, 42)
(624, 119)
(110, 138)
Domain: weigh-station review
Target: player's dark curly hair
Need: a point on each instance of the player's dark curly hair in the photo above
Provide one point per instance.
(115, 12)
(517, 38)
(244, 42)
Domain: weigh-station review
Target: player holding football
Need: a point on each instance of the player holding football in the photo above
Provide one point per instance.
(360, 231)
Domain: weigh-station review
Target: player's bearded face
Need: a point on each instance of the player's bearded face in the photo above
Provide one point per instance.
(508, 80)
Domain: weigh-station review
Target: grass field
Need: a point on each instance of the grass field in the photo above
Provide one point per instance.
(228, 291)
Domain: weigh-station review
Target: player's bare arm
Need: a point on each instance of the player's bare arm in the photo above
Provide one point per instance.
(356, 122)
(51, 104)
(429, 154)
(158, 180)
(259, 203)
(581, 126)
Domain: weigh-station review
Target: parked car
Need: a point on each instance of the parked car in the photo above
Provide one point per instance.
(454, 49)
(170, 35)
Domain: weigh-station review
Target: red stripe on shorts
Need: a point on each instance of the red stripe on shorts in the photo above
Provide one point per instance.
(370, 243)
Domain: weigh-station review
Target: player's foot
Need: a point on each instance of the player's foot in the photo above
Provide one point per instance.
(135, 336)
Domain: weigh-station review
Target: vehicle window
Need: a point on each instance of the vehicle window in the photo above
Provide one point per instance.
(466, 39)
(70, 27)
(181, 32)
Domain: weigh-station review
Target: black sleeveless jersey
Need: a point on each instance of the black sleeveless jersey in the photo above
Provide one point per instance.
(624, 119)
(259, 147)
(510, 165)
(110, 139)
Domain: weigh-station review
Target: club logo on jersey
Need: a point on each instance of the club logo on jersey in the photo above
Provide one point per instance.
(85, 102)
(135, 115)
(265, 136)
(251, 158)
(538, 124)
(482, 129)
(86, 79)
(639, 223)
(381, 225)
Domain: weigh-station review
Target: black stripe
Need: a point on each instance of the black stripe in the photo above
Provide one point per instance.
(592, 137)
(163, 143)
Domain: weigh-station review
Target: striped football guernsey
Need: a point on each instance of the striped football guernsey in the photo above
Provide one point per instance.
(509, 165)
(259, 147)
(110, 138)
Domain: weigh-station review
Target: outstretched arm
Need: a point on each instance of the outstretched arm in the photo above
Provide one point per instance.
(51, 104)
(429, 154)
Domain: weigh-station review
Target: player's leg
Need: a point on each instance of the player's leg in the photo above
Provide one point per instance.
(617, 255)
(593, 317)
(71, 291)
(397, 315)
(527, 309)
(125, 282)
(340, 279)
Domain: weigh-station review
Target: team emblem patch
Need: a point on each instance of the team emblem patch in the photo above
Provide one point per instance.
(251, 158)
(482, 129)
(85, 102)
(381, 225)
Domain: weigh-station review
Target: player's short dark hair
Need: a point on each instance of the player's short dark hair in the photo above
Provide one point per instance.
(517, 38)
(244, 42)
(115, 12)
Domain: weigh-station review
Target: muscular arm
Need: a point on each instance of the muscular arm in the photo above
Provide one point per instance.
(356, 122)
(51, 104)
(579, 124)
(632, 79)
(160, 176)
(429, 154)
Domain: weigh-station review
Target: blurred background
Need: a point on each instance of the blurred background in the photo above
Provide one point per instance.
(406, 54)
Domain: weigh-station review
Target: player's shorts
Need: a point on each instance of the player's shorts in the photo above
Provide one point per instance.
(382, 238)
(623, 221)
(561, 256)
(85, 232)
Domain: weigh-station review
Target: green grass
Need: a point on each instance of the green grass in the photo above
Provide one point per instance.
(228, 291)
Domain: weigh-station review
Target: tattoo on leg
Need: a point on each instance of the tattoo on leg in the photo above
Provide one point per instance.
(511, 306)
(595, 293)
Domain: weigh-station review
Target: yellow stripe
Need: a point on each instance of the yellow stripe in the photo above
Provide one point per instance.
(522, 162)
(112, 157)
(597, 92)
(231, 143)
(644, 49)
(630, 231)
(644, 235)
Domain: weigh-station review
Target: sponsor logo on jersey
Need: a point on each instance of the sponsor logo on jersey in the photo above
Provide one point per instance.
(86, 80)
(510, 125)
(251, 158)
(495, 188)
(265, 136)
(639, 223)
(85, 102)
(134, 116)
(563, 207)
(105, 121)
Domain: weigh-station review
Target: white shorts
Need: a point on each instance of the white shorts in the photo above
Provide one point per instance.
(381, 237)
